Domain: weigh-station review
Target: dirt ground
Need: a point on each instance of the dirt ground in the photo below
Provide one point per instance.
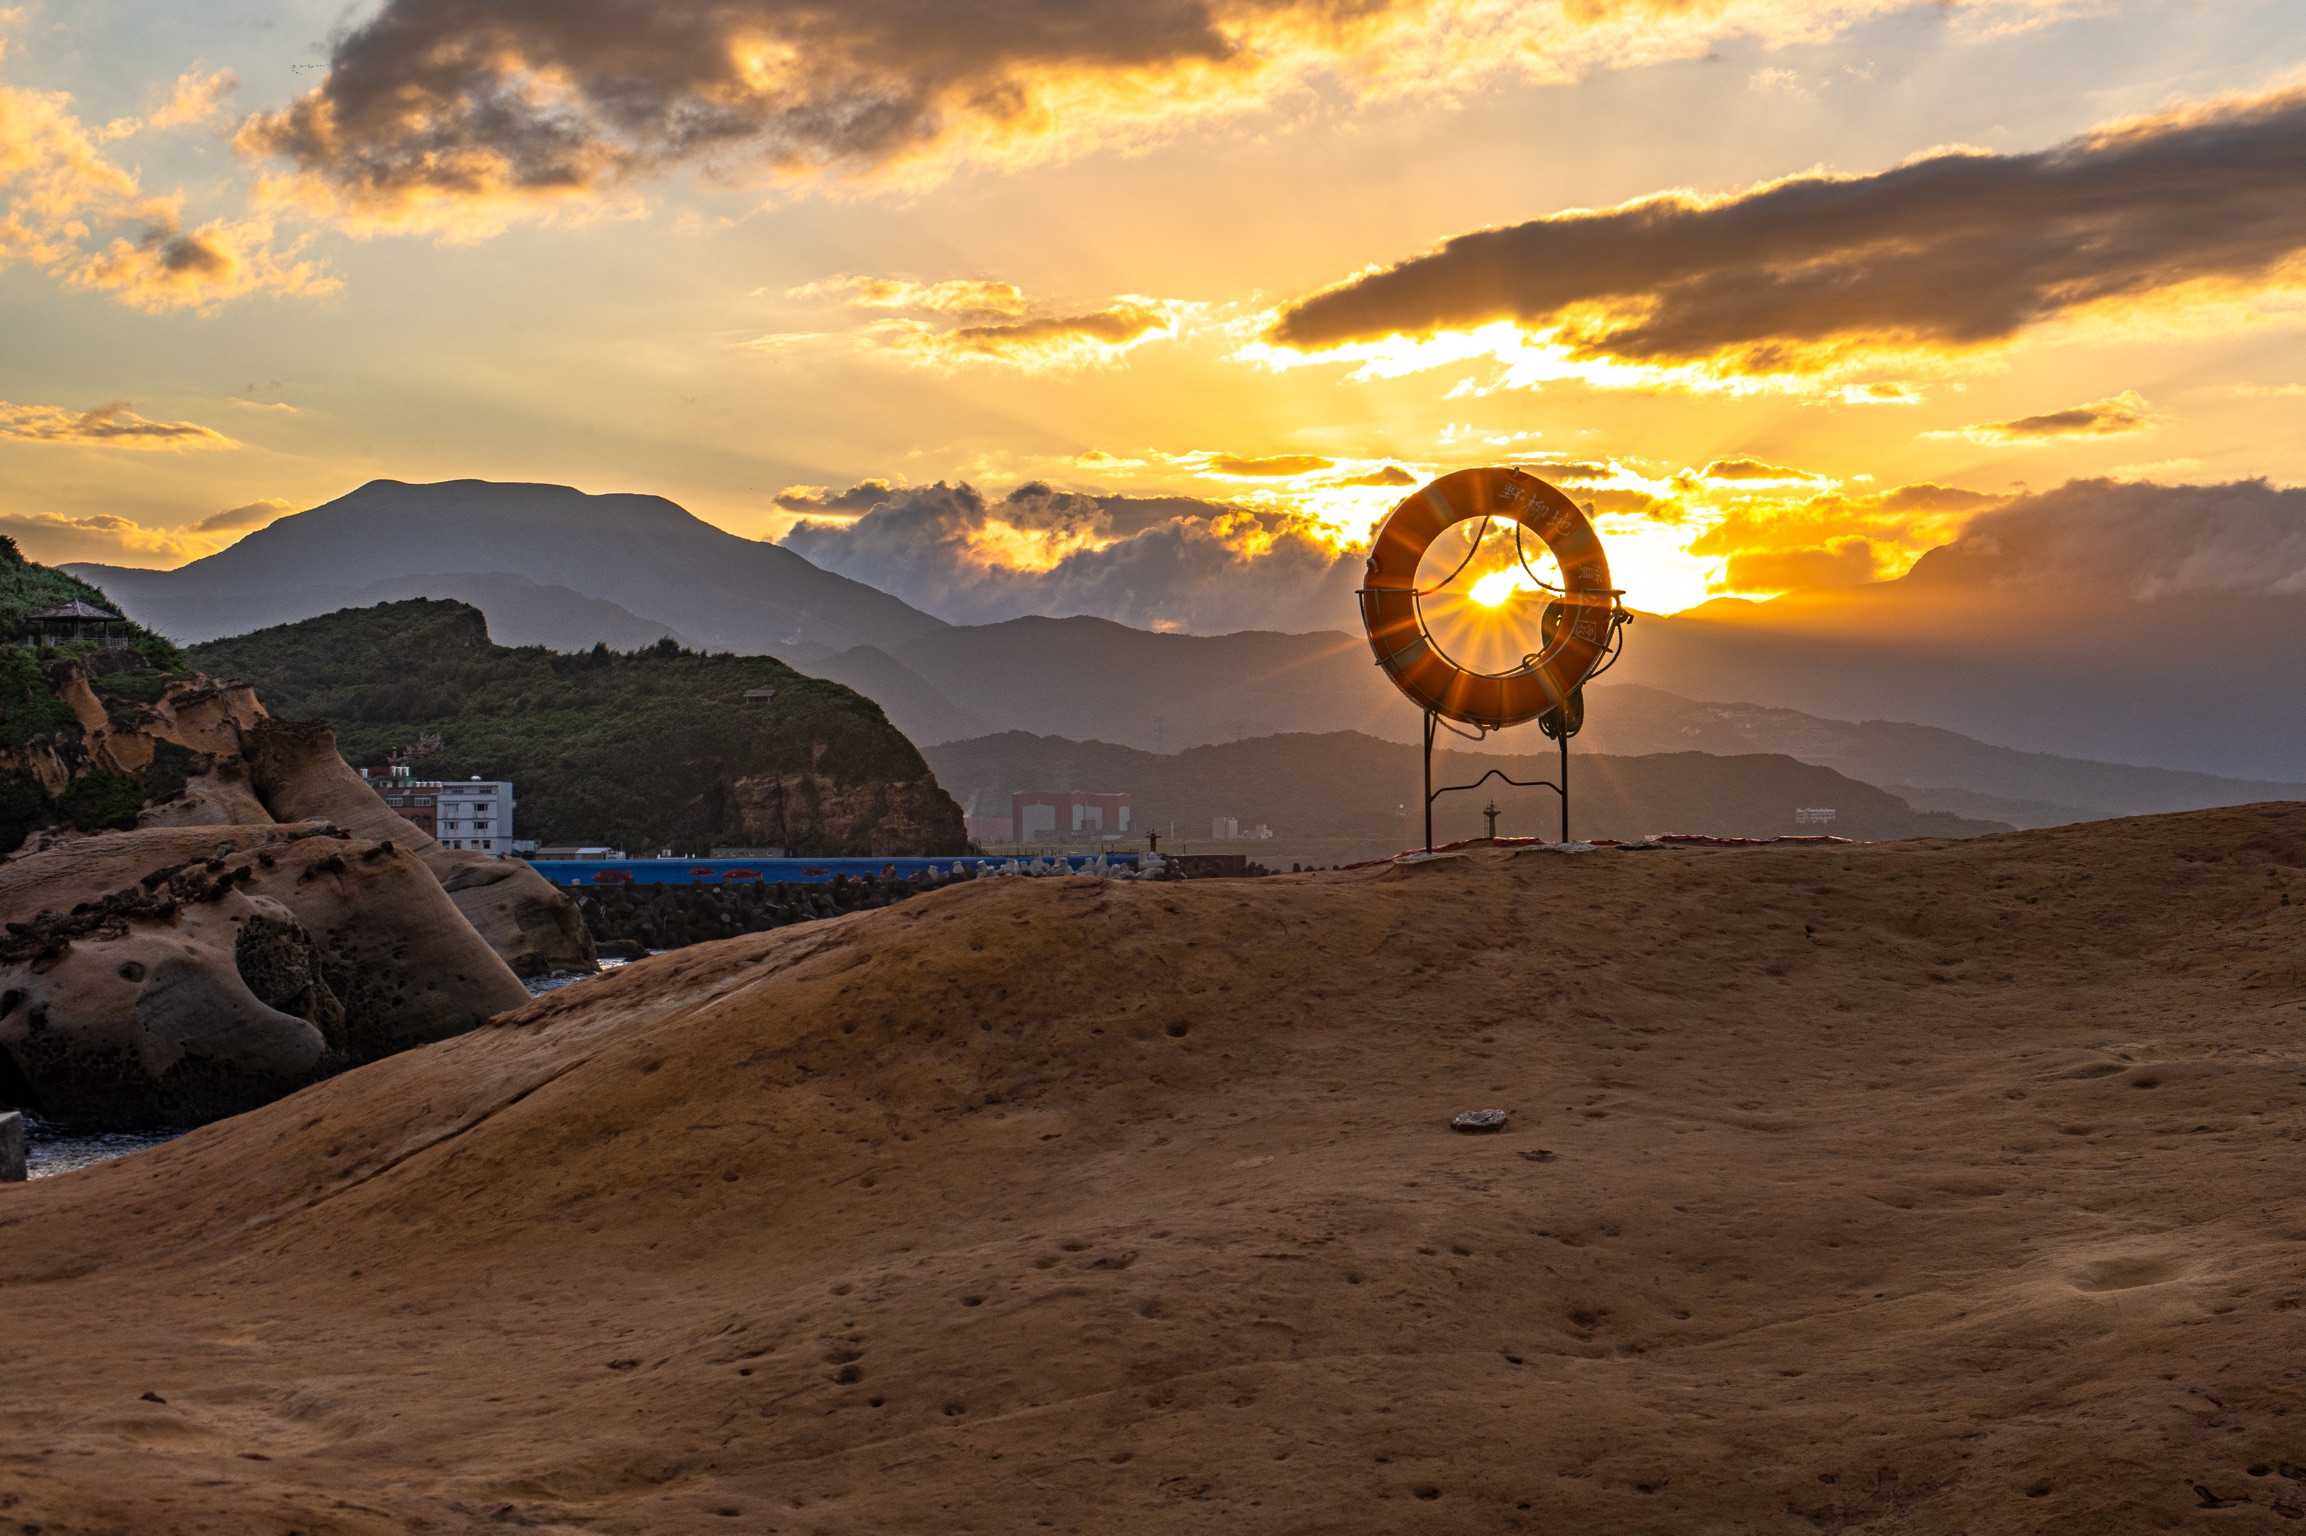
(1911, 1187)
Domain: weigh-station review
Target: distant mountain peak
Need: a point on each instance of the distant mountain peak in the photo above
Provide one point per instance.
(648, 556)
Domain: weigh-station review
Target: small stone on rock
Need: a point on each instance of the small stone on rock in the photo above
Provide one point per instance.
(1479, 1120)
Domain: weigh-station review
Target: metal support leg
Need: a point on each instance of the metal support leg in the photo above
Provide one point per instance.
(1565, 786)
(1429, 781)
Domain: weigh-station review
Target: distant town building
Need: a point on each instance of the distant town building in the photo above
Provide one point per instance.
(573, 851)
(1067, 813)
(1230, 827)
(1813, 815)
(990, 829)
(474, 814)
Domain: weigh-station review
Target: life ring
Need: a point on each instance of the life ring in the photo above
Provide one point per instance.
(1576, 638)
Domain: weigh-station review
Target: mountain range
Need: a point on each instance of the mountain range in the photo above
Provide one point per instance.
(1953, 640)
(614, 567)
(1341, 796)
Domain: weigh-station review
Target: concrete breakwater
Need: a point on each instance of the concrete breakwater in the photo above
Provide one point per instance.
(628, 918)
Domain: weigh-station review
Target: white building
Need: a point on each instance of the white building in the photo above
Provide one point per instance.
(475, 814)
(1223, 827)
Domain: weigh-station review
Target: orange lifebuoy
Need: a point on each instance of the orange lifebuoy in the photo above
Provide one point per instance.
(1576, 638)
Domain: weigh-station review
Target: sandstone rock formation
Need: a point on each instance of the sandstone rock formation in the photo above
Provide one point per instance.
(1902, 1188)
(296, 770)
(207, 754)
(171, 975)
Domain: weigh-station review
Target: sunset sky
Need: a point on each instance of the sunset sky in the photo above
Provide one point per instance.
(1788, 290)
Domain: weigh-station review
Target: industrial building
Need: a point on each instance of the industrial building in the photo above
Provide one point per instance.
(1067, 815)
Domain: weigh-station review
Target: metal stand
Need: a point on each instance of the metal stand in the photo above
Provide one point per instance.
(1432, 794)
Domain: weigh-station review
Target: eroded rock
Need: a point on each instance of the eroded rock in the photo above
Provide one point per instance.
(298, 773)
(168, 975)
(218, 796)
(206, 754)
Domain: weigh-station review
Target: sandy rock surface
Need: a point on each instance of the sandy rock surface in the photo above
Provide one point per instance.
(300, 775)
(1922, 1187)
(170, 975)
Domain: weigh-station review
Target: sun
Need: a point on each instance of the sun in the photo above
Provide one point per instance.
(1492, 590)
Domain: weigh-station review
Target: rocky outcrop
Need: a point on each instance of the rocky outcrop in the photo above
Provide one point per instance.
(172, 974)
(811, 810)
(297, 772)
(207, 754)
(220, 796)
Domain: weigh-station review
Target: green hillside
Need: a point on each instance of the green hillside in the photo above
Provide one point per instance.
(643, 750)
(39, 730)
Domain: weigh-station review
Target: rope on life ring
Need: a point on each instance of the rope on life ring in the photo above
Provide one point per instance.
(1578, 625)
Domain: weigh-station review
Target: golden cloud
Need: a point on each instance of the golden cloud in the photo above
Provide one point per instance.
(1278, 464)
(1049, 344)
(934, 337)
(1772, 539)
(196, 99)
(1849, 562)
(2122, 415)
(963, 298)
(442, 114)
(1754, 470)
(1392, 475)
(107, 426)
(1820, 279)
(1676, 537)
(53, 538)
(1569, 471)
(247, 518)
(86, 221)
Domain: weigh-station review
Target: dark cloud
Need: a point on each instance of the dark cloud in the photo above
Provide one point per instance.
(1953, 250)
(861, 497)
(256, 514)
(2133, 539)
(432, 104)
(1052, 341)
(1926, 497)
(2118, 416)
(1165, 562)
(457, 98)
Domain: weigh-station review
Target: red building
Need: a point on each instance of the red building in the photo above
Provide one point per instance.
(1065, 815)
(415, 801)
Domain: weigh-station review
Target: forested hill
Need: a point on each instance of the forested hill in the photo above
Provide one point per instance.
(643, 750)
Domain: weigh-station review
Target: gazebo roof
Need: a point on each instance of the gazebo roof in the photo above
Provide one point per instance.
(77, 609)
